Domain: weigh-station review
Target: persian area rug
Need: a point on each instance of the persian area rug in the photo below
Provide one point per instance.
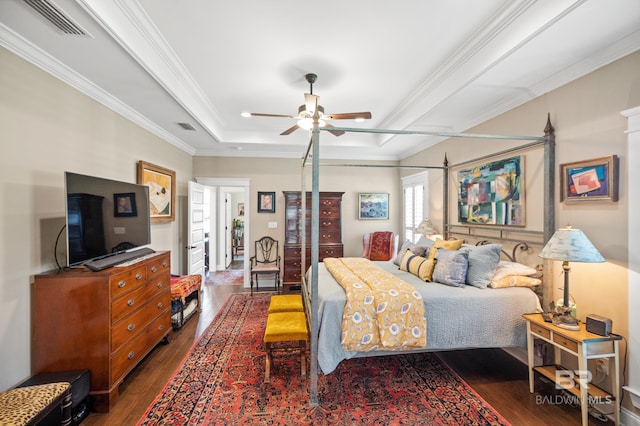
(221, 382)
(228, 277)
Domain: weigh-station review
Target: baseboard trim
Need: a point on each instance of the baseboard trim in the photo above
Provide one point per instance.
(629, 418)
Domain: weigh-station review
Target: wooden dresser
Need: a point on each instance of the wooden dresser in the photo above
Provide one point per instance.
(104, 321)
(330, 235)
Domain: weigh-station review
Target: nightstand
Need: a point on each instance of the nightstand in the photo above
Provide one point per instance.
(584, 346)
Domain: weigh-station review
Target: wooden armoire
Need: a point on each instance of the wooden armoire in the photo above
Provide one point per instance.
(330, 235)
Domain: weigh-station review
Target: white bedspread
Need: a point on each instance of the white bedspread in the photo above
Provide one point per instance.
(457, 317)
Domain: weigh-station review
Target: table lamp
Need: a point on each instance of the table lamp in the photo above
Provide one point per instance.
(427, 228)
(569, 245)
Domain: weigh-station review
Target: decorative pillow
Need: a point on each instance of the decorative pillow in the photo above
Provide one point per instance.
(425, 242)
(448, 245)
(483, 261)
(408, 245)
(515, 281)
(417, 265)
(506, 268)
(451, 267)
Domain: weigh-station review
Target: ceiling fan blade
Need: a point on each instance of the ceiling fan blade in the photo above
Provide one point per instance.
(349, 116)
(290, 130)
(311, 102)
(258, 114)
(334, 132)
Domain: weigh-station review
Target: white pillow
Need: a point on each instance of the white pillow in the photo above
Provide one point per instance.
(506, 268)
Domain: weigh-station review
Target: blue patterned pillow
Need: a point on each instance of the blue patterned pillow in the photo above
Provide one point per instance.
(451, 267)
(483, 261)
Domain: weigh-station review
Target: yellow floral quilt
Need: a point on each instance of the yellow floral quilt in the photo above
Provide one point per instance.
(382, 311)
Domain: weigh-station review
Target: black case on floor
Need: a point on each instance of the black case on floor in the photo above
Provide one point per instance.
(80, 385)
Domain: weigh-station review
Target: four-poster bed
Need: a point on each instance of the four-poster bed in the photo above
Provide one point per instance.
(323, 303)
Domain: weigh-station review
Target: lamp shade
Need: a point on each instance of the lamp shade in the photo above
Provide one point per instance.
(571, 245)
(426, 228)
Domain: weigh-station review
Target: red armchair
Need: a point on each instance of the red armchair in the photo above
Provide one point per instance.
(380, 245)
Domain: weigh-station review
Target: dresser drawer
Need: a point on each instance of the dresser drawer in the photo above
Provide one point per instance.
(131, 325)
(567, 343)
(133, 351)
(325, 212)
(158, 265)
(126, 282)
(330, 251)
(129, 302)
(540, 331)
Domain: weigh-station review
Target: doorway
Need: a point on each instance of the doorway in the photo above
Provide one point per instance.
(233, 203)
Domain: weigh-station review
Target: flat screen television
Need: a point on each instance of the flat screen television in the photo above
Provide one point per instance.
(104, 217)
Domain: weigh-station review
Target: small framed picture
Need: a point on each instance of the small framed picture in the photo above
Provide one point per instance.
(590, 180)
(266, 202)
(240, 209)
(124, 204)
(373, 205)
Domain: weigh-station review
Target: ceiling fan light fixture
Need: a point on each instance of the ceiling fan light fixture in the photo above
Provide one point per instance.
(307, 123)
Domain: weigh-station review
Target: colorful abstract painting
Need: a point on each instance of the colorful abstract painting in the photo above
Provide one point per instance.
(492, 193)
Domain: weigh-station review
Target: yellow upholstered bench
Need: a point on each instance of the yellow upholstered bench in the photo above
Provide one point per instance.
(286, 303)
(285, 327)
(30, 405)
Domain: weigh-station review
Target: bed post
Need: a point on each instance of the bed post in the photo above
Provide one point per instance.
(315, 231)
(549, 206)
(445, 204)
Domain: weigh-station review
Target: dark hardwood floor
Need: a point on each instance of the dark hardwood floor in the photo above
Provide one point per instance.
(495, 375)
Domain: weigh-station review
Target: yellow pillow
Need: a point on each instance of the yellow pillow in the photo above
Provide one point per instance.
(515, 281)
(417, 265)
(445, 244)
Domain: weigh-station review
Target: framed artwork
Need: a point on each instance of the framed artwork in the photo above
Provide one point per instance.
(162, 191)
(373, 205)
(492, 193)
(266, 202)
(240, 209)
(124, 204)
(590, 180)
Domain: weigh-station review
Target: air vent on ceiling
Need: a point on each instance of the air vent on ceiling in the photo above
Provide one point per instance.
(186, 126)
(52, 13)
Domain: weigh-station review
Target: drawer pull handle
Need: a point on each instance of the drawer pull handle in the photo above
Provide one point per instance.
(153, 268)
(130, 302)
(138, 276)
(159, 285)
(161, 327)
(164, 264)
(160, 305)
(131, 355)
(131, 327)
(122, 283)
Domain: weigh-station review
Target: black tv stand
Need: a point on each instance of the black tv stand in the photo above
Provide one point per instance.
(116, 259)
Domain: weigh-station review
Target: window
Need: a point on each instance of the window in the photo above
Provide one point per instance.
(415, 195)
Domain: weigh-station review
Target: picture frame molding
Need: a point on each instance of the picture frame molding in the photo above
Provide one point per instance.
(264, 208)
(144, 169)
(383, 198)
(611, 177)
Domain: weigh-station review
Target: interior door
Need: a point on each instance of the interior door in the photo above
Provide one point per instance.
(195, 229)
(228, 257)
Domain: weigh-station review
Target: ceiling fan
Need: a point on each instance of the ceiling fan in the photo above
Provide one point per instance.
(311, 109)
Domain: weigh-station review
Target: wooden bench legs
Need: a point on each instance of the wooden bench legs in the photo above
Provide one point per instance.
(285, 328)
